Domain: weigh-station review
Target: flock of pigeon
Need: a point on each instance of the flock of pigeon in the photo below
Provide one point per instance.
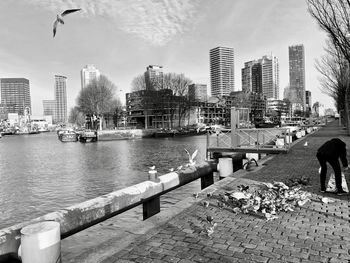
(59, 19)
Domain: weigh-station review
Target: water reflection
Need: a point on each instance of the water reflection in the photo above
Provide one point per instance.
(40, 174)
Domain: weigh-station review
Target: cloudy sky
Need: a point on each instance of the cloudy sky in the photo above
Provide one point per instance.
(122, 37)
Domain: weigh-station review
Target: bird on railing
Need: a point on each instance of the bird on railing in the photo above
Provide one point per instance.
(191, 161)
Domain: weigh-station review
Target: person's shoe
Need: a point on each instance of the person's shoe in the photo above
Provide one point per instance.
(341, 193)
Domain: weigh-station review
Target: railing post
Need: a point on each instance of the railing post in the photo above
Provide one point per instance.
(207, 153)
(150, 207)
(207, 180)
(233, 127)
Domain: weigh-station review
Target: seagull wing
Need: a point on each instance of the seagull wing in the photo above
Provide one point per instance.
(55, 27)
(68, 11)
(194, 154)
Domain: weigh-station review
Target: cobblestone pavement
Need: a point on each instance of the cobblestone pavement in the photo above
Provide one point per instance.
(315, 232)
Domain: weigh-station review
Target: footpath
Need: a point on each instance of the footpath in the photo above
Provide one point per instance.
(314, 232)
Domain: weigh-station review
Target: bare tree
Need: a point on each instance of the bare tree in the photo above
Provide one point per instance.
(333, 70)
(178, 83)
(334, 18)
(138, 83)
(97, 98)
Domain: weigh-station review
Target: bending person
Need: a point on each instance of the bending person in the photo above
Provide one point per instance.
(330, 152)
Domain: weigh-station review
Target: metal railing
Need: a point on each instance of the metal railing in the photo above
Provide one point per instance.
(250, 140)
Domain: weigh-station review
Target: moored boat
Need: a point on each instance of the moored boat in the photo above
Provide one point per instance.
(88, 136)
(67, 136)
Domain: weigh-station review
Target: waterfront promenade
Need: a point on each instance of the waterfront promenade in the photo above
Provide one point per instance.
(315, 232)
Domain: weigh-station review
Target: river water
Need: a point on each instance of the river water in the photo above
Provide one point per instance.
(40, 174)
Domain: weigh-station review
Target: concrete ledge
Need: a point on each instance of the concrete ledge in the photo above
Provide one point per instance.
(81, 216)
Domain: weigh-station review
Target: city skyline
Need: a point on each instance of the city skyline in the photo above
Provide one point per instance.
(176, 35)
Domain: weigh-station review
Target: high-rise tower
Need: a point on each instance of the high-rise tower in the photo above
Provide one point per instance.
(15, 94)
(262, 76)
(197, 92)
(297, 76)
(222, 78)
(252, 77)
(88, 74)
(61, 98)
(154, 77)
(270, 76)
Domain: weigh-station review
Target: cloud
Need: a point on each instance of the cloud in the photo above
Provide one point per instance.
(156, 21)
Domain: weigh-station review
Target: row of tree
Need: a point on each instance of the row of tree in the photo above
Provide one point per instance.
(333, 16)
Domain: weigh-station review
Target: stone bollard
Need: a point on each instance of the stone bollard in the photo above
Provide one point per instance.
(41, 243)
(280, 142)
(298, 134)
(225, 167)
(152, 175)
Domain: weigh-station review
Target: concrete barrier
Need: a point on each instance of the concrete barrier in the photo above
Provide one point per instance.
(81, 216)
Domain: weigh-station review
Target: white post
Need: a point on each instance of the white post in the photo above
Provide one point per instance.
(152, 175)
(233, 127)
(41, 243)
(225, 167)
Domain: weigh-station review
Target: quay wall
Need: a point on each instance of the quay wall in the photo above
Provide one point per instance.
(108, 135)
(81, 216)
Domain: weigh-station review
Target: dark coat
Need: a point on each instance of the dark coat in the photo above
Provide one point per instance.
(334, 149)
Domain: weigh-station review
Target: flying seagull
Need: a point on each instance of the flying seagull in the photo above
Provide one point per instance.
(60, 20)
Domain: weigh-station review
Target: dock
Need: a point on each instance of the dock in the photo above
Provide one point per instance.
(315, 232)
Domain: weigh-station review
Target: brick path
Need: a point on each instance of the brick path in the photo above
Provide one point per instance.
(315, 232)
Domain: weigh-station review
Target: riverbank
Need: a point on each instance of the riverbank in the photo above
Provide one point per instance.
(315, 232)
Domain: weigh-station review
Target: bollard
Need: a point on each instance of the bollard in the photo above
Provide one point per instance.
(280, 142)
(298, 134)
(41, 243)
(288, 139)
(225, 167)
(152, 175)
